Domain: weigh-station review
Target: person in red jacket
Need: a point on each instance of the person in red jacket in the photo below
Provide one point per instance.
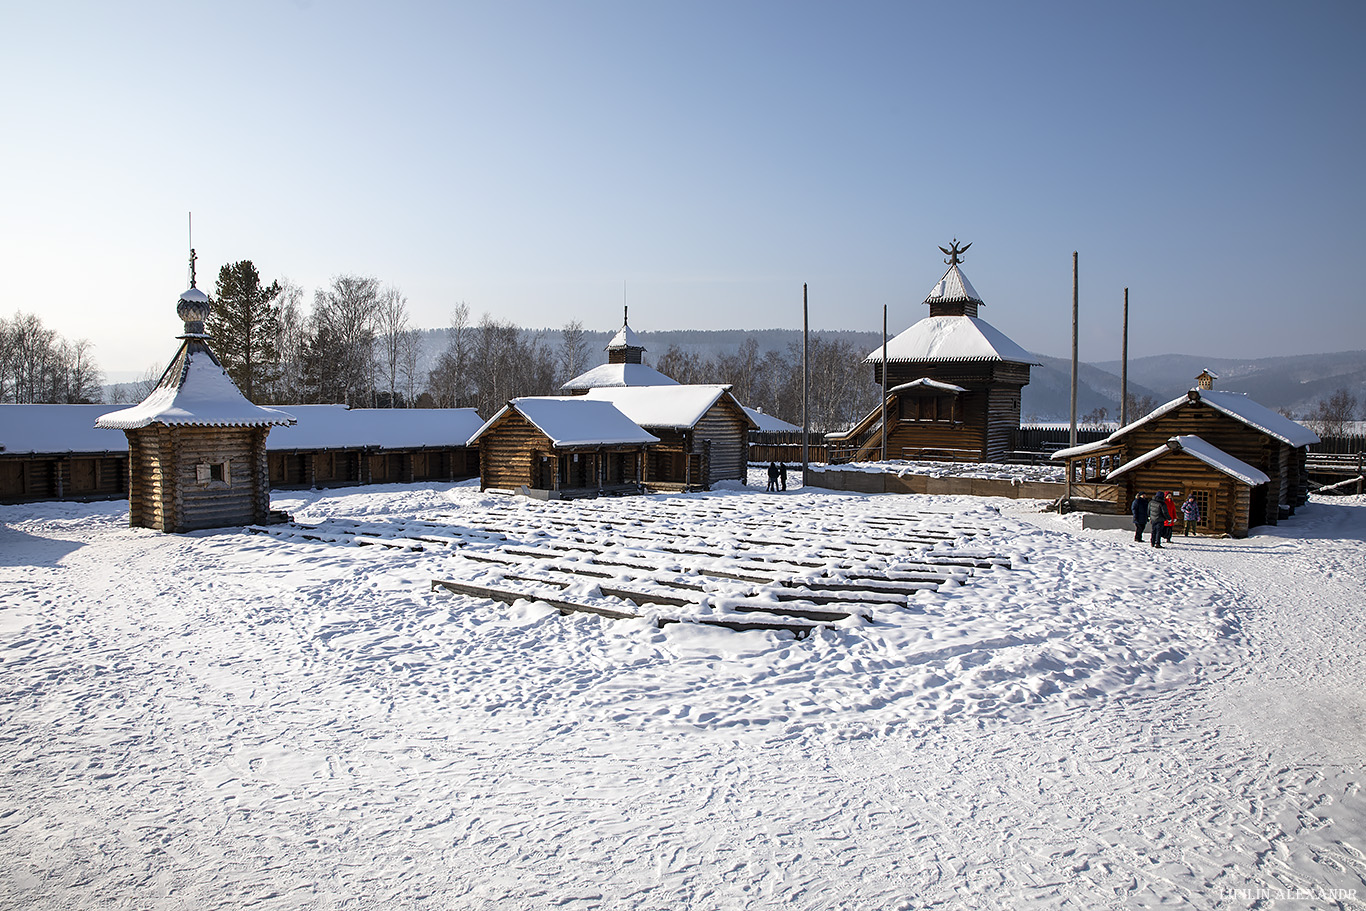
(1172, 513)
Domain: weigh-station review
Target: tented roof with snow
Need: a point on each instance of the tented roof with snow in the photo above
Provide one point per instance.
(609, 375)
(32, 429)
(674, 407)
(339, 427)
(574, 421)
(625, 338)
(1206, 452)
(194, 391)
(952, 338)
(954, 287)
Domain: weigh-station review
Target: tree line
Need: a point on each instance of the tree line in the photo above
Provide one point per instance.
(356, 346)
(39, 366)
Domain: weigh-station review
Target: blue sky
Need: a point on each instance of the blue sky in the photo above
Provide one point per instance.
(532, 159)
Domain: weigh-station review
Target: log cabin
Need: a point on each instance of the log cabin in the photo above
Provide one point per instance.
(1247, 440)
(702, 429)
(1187, 465)
(953, 384)
(561, 447)
(196, 445)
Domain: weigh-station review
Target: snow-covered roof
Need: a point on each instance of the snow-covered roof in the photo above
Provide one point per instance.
(1206, 452)
(26, 429)
(625, 338)
(194, 391)
(1239, 407)
(954, 287)
(674, 407)
(952, 338)
(339, 427)
(767, 422)
(1084, 449)
(926, 383)
(576, 420)
(620, 375)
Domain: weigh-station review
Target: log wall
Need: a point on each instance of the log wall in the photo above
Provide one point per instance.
(508, 451)
(93, 476)
(1229, 499)
(726, 430)
(168, 487)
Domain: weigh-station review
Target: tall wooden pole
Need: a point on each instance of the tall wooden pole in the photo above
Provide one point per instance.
(1072, 434)
(1124, 366)
(806, 385)
(1072, 437)
(884, 382)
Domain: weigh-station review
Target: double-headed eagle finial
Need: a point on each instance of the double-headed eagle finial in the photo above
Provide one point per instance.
(955, 252)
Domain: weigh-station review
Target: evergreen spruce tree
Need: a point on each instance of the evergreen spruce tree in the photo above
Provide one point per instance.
(245, 325)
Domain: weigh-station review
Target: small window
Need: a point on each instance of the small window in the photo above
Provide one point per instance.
(216, 473)
(928, 408)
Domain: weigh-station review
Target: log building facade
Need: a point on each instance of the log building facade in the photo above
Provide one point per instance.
(953, 384)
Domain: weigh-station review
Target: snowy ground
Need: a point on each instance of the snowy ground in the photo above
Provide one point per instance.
(224, 720)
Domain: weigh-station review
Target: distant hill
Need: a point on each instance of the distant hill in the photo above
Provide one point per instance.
(1295, 383)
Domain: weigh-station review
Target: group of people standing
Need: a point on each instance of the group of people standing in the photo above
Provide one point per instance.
(777, 474)
(1160, 513)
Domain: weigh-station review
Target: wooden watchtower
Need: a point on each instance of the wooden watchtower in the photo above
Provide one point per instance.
(196, 445)
(953, 383)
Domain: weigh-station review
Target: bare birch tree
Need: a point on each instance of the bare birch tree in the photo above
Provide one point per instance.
(391, 334)
(573, 351)
(449, 381)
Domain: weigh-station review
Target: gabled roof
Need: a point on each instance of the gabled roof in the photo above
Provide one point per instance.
(194, 391)
(953, 288)
(608, 375)
(26, 429)
(339, 427)
(926, 383)
(767, 422)
(676, 407)
(1237, 406)
(573, 421)
(952, 338)
(1208, 453)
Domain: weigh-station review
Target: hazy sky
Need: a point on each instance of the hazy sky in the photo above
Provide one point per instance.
(534, 159)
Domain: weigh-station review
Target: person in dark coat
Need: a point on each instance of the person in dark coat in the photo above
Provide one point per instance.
(1139, 510)
(1157, 517)
(772, 476)
(782, 474)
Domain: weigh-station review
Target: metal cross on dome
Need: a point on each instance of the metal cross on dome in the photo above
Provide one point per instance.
(956, 252)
